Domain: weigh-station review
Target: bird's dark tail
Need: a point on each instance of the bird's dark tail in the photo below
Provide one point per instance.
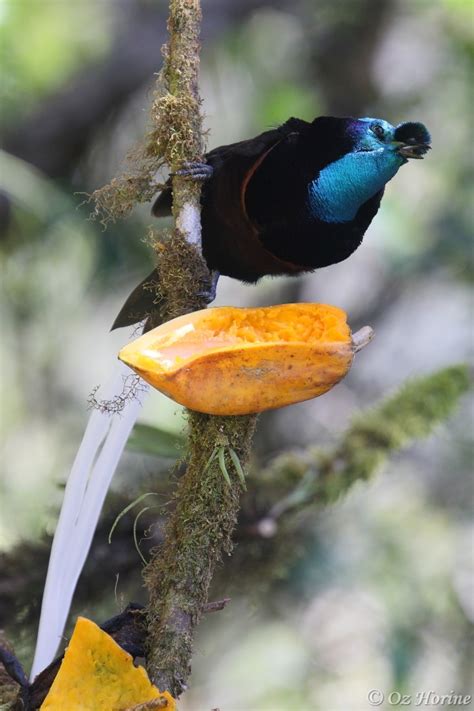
(163, 203)
(140, 304)
(143, 300)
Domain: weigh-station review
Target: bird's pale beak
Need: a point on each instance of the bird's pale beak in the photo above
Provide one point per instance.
(411, 139)
(413, 150)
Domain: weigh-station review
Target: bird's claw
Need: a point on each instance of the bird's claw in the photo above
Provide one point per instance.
(210, 294)
(195, 171)
(13, 667)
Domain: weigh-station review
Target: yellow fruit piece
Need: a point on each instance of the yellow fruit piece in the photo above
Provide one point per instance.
(235, 361)
(96, 674)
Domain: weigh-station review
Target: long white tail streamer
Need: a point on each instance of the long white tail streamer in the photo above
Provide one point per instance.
(89, 480)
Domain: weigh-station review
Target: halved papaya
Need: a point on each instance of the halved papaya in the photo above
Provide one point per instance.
(236, 361)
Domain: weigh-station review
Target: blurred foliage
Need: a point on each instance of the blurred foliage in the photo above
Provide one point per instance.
(154, 441)
(381, 596)
(40, 48)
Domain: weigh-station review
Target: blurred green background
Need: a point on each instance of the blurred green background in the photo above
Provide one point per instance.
(380, 592)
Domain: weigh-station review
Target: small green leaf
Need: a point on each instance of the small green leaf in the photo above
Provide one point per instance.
(135, 536)
(238, 467)
(222, 465)
(127, 509)
(147, 439)
(210, 460)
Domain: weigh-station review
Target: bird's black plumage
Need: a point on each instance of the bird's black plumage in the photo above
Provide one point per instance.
(292, 199)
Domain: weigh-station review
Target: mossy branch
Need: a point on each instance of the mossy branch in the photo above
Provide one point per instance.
(408, 415)
(411, 414)
(199, 531)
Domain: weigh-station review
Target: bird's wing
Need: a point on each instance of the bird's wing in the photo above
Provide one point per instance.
(162, 205)
(252, 148)
(230, 156)
(276, 190)
(231, 240)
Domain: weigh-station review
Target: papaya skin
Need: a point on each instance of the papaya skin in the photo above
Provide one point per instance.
(232, 361)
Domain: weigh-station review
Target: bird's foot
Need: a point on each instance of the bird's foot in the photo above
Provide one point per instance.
(195, 171)
(210, 294)
(13, 667)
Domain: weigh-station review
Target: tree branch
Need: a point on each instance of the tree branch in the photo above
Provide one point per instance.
(200, 529)
(410, 414)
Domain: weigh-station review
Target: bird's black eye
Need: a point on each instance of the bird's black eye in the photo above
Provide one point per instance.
(378, 130)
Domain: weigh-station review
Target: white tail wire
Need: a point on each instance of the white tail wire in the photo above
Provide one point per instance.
(89, 480)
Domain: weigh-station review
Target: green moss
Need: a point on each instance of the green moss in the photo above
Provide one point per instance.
(184, 276)
(137, 184)
(408, 415)
(197, 535)
(412, 413)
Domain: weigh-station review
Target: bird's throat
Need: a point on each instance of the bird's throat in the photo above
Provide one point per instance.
(343, 186)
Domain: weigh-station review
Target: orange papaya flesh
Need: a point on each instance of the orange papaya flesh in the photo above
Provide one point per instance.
(235, 361)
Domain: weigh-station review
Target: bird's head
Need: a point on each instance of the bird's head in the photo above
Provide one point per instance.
(361, 156)
(407, 140)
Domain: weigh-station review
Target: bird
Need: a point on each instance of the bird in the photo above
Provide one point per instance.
(291, 200)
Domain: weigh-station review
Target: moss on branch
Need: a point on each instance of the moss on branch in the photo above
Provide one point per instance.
(175, 132)
(410, 414)
(197, 535)
(200, 528)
